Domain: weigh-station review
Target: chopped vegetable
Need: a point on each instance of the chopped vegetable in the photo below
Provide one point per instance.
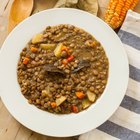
(64, 61)
(75, 109)
(80, 95)
(58, 49)
(34, 49)
(47, 46)
(46, 92)
(37, 38)
(60, 100)
(94, 44)
(26, 60)
(64, 48)
(53, 104)
(117, 10)
(70, 58)
(91, 96)
(86, 103)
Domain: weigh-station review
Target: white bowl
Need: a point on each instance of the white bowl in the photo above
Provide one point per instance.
(72, 124)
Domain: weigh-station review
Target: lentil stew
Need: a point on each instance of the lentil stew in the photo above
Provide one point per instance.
(62, 70)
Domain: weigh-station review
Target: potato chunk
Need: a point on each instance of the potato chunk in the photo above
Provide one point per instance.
(86, 103)
(91, 96)
(37, 38)
(47, 46)
(60, 100)
(58, 49)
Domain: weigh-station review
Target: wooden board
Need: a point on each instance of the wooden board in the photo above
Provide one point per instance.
(10, 129)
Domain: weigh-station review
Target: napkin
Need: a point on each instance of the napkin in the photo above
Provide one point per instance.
(125, 122)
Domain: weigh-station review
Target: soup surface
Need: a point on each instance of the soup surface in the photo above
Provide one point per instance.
(62, 70)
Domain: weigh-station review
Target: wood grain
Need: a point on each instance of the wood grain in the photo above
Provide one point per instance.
(1, 104)
(4, 18)
(10, 129)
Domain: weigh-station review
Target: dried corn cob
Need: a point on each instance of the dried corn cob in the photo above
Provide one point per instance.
(117, 10)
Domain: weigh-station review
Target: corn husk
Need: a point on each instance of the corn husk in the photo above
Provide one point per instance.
(86, 5)
(66, 3)
(90, 6)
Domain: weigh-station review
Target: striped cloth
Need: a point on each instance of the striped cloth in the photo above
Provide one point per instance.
(125, 123)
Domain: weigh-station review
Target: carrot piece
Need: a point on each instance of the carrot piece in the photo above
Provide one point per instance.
(64, 49)
(70, 58)
(26, 60)
(94, 44)
(53, 104)
(64, 61)
(74, 109)
(80, 95)
(34, 50)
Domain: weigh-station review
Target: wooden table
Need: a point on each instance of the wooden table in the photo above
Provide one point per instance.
(10, 129)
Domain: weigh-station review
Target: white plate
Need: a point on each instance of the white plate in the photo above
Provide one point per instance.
(62, 125)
